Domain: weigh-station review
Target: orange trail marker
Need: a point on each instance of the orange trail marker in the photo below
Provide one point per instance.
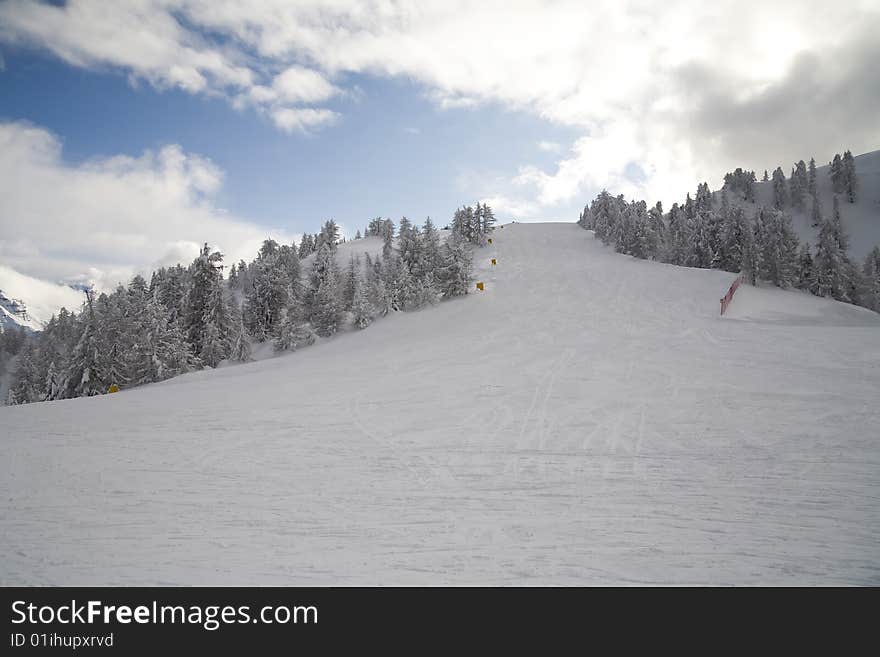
(493, 261)
(480, 285)
(113, 388)
(490, 240)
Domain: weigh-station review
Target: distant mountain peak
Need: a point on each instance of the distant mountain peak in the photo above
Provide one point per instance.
(13, 313)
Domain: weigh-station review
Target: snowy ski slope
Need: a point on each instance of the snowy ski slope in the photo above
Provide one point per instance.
(588, 419)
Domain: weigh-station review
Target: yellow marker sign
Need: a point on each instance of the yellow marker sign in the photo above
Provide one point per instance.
(493, 261)
(113, 388)
(480, 285)
(490, 240)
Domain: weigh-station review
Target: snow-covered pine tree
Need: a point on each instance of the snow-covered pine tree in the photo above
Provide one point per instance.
(837, 174)
(839, 232)
(305, 246)
(84, 377)
(361, 308)
(733, 240)
(270, 290)
(780, 193)
(850, 182)
(387, 242)
(455, 275)
(656, 233)
(349, 281)
(329, 234)
(804, 278)
(241, 344)
(398, 282)
(811, 177)
(830, 265)
(53, 386)
(28, 386)
(585, 219)
(487, 220)
(323, 306)
(161, 351)
(816, 211)
(870, 294)
(408, 243)
(431, 259)
(288, 262)
(294, 332)
(799, 185)
(778, 263)
(678, 242)
(751, 260)
(606, 213)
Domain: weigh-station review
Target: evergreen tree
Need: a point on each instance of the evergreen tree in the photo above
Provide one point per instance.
(656, 233)
(780, 194)
(778, 262)
(161, 351)
(811, 178)
(84, 377)
(733, 240)
(294, 331)
(324, 304)
(805, 276)
(455, 275)
(488, 220)
(678, 239)
(751, 260)
(361, 308)
(839, 231)
(431, 259)
(830, 264)
(241, 344)
(816, 211)
(870, 294)
(270, 290)
(836, 172)
(206, 320)
(349, 281)
(398, 282)
(799, 185)
(849, 182)
(28, 386)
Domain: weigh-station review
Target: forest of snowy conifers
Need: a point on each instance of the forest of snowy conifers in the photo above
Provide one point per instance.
(714, 231)
(190, 317)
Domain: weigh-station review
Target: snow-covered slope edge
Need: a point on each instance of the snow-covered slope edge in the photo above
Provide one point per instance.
(588, 419)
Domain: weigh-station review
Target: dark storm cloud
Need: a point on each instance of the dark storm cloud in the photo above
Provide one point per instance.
(826, 102)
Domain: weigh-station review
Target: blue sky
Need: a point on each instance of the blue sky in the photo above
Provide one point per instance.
(131, 132)
(392, 152)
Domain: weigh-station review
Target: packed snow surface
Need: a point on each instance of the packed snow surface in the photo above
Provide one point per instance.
(588, 419)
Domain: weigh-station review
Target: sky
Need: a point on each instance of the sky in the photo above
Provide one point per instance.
(131, 132)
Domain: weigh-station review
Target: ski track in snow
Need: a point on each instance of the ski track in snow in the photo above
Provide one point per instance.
(589, 419)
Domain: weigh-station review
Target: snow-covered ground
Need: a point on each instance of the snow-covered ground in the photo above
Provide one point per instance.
(588, 419)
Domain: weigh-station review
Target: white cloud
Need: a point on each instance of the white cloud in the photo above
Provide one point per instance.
(104, 220)
(301, 85)
(146, 39)
(550, 146)
(302, 119)
(641, 79)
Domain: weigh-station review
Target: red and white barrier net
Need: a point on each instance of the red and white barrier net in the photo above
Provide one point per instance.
(727, 298)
